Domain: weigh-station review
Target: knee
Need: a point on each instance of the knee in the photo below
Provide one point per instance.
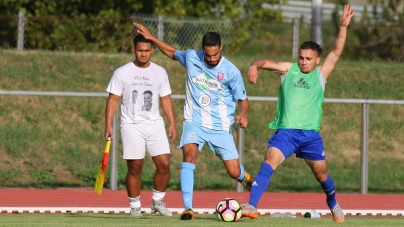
(233, 172)
(321, 177)
(189, 159)
(190, 152)
(163, 166)
(135, 171)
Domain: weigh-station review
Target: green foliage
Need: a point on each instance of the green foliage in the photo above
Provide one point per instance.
(379, 38)
(72, 8)
(253, 9)
(222, 9)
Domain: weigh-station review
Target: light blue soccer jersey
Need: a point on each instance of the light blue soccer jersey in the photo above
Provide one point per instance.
(211, 92)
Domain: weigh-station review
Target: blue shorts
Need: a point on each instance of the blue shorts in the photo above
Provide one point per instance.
(307, 144)
(220, 142)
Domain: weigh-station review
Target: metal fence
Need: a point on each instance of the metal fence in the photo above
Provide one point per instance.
(240, 138)
(240, 37)
(115, 34)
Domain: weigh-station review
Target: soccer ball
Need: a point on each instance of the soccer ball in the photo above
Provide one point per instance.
(228, 210)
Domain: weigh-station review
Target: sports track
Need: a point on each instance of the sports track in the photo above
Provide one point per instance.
(116, 201)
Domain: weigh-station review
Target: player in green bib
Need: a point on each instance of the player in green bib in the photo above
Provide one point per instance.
(298, 117)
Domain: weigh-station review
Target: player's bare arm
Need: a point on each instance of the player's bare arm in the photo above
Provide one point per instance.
(277, 67)
(332, 58)
(110, 110)
(241, 118)
(166, 48)
(168, 108)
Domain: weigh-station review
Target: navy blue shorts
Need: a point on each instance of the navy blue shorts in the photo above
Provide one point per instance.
(307, 144)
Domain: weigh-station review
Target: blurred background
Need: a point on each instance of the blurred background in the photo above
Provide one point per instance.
(51, 139)
(248, 27)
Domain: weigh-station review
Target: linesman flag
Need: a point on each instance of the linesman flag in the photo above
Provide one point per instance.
(102, 169)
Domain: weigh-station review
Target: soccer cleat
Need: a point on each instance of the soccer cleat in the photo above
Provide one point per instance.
(135, 211)
(337, 213)
(249, 211)
(247, 181)
(187, 214)
(160, 207)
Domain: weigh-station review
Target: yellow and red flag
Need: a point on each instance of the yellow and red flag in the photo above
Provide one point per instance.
(102, 169)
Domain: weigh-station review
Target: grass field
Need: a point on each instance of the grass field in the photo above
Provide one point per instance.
(100, 220)
(57, 141)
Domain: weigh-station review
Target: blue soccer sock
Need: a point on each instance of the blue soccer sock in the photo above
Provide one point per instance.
(261, 182)
(241, 177)
(187, 183)
(329, 189)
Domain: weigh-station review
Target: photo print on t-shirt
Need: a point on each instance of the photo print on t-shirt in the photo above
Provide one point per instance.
(147, 99)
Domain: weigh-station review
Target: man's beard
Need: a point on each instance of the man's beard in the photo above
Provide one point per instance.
(213, 65)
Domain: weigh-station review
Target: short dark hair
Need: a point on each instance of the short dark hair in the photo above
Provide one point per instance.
(140, 38)
(211, 39)
(148, 92)
(310, 45)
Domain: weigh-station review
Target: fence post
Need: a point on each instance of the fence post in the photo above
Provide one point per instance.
(316, 20)
(113, 179)
(364, 152)
(240, 148)
(21, 27)
(295, 38)
(160, 28)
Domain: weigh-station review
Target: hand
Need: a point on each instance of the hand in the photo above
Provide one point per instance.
(172, 132)
(242, 121)
(252, 74)
(143, 31)
(109, 133)
(346, 15)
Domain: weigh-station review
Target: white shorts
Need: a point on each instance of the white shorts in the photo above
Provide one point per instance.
(146, 135)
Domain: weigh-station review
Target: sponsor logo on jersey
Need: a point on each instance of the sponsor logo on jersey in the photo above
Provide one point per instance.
(302, 84)
(206, 82)
(204, 100)
(220, 76)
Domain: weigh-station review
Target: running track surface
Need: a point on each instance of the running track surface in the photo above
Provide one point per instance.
(116, 201)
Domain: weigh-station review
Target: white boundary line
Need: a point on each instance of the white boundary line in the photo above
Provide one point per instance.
(118, 210)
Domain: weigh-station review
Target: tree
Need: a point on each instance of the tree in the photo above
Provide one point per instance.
(384, 39)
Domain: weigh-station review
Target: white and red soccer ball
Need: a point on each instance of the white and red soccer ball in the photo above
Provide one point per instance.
(228, 210)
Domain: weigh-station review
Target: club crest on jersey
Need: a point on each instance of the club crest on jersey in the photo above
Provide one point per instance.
(220, 76)
(204, 100)
(204, 81)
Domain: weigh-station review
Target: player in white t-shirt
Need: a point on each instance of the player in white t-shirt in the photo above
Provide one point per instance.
(140, 85)
(213, 85)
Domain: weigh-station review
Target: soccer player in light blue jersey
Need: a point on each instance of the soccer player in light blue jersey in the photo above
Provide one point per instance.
(213, 85)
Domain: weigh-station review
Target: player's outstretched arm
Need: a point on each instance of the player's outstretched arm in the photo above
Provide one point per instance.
(168, 108)
(278, 67)
(166, 48)
(332, 58)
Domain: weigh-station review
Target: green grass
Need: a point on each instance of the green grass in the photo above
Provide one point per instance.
(100, 220)
(52, 142)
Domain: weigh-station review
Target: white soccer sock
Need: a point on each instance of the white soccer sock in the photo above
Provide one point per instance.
(157, 195)
(134, 202)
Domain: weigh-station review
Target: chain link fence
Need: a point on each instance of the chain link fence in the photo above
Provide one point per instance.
(247, 38)
(114, 35)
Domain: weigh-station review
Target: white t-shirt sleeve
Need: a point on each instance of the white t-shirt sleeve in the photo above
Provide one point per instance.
(115, 85)
(165, 88)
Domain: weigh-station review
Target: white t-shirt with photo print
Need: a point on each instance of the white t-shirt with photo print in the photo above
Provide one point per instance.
(140, 90)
